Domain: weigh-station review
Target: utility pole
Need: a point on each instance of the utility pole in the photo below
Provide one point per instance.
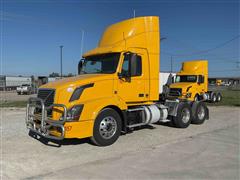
(171, 64)
(61, 47)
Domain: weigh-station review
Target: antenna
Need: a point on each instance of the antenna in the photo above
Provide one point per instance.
(134, 13)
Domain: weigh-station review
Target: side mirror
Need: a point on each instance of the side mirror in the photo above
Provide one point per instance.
(80, 65)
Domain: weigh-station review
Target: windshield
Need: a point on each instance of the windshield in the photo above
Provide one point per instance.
(186, 78)
(100, 64)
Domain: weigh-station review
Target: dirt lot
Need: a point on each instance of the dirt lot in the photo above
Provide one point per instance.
(208, 151)
(13, 96)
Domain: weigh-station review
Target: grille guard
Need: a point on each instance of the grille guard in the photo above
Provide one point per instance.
(46, 124)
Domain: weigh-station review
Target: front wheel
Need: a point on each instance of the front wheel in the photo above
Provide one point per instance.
(184, 116)
(107, 127)
(196, 98)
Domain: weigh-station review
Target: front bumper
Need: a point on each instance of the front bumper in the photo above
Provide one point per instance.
(41, 124)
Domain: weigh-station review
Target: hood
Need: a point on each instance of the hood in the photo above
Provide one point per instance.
(77, 81)
(182, 85)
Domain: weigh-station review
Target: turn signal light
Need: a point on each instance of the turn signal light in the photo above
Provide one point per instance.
(68, 128)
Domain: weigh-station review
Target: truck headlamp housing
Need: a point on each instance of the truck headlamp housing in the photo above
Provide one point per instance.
(78, 91)
(188, 95)
(73, 114)
(189, 88)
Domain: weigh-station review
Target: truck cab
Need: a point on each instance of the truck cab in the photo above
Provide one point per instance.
(191, 82)
(117, 89)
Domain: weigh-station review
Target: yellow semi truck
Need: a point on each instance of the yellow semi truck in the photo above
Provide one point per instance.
(191, 83)
(117, 89)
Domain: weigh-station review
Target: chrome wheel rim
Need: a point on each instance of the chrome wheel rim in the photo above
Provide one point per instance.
(108, 127)
(201, 113)
(196, 98)
(214, 98)
(185, 115)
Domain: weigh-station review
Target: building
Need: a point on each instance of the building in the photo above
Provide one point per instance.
(9, 83)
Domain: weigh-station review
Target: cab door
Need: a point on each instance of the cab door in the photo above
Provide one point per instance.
(135, 88)
(200, 84)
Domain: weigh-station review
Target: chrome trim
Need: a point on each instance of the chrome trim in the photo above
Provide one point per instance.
(172, 106)
(46, 124)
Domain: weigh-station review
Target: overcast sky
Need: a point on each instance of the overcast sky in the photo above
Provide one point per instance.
(32, 31)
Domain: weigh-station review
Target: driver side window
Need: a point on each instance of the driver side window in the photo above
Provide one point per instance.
(136, 68)
(125, 65)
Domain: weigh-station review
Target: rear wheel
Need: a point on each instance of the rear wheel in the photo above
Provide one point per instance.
(219, 97)
(199, 112)
(214, 97)
(184, 116)
(107, 127)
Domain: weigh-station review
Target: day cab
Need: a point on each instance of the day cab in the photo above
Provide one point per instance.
(117, 89)
(192, 81)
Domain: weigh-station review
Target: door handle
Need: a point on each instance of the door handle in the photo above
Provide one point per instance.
(140, 95)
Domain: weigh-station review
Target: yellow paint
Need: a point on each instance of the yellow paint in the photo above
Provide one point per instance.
(138, 35)
(197, 67)
(218, 82)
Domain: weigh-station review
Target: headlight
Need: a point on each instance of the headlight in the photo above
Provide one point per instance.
(188, 95)
(73, 114)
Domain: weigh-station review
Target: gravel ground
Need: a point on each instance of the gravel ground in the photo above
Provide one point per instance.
(208, 151)
(13, 96)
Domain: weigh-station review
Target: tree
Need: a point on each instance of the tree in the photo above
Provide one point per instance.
(70, 75)
(53, 74)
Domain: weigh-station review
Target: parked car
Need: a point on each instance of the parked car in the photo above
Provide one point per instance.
(24, 89)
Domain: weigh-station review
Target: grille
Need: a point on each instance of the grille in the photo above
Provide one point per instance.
(47, 95)
(175, 92)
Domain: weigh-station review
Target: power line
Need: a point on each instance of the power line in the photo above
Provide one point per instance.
(203, 51)
(224, 70)
(229, 62)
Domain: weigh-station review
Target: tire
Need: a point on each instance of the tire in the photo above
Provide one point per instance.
(196, 98)
(184, 116)
(219, 97)
(107, 127)
(214, 97)
(199, 112)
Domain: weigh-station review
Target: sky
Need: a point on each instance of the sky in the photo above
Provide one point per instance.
(33, 30)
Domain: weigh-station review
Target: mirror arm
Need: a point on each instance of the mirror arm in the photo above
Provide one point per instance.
(120, 75)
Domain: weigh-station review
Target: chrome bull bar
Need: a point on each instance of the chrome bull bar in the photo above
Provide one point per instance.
(43, 129)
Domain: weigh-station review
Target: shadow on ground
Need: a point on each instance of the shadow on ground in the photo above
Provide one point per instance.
(75, 141)
(56, 143)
